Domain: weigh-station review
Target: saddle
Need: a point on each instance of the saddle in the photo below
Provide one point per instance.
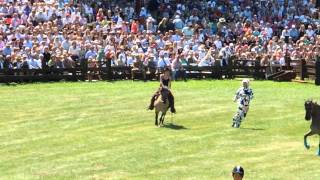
(164, 94)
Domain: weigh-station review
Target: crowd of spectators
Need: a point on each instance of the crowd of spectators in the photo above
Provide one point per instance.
(161, 33)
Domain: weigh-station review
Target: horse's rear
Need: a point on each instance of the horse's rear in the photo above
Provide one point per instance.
(162, 107)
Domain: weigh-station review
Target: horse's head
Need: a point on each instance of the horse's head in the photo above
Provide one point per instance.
(308, 107)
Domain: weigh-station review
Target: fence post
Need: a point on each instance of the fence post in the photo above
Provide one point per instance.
(317, 81)
(218, 69)
(288, 62)
(230, 68)
(84, 68)
(303, 69)
(257, 68)
(109, 69)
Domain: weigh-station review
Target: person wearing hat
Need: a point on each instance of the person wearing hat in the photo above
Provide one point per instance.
(178, 23)
(165, 84)
(237, 173)
(221, 23)
(243, 95)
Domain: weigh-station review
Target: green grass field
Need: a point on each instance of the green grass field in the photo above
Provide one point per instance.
(102, 131)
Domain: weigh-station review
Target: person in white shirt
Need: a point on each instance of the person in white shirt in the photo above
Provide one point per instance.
(202, 52)
(176, 37)
(218, 43)
(89, 12)
(74, 51)
(122, 57)
(75, 13)
(188, 30)
(269, 31)
(310, 31)
(66, 44)
(67, 20)
(150, 24)
(41, 16)
(162, 61)
(130, 60)
(129, 11)
(33, 62)
(208, 60)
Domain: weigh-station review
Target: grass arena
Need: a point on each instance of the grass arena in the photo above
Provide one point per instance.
(103, 131)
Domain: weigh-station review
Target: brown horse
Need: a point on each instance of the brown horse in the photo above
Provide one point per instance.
(161, 104)
(312, 113)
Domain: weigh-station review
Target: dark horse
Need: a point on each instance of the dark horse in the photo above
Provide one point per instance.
(313, 113)
(161, 104)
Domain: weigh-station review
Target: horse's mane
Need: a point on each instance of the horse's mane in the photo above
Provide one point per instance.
(312, 101)
(315, 103)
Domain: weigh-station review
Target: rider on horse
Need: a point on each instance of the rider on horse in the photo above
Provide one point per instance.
(165, 85)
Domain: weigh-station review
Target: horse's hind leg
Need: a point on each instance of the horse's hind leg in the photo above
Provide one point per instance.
(310, 133)
(156, 119)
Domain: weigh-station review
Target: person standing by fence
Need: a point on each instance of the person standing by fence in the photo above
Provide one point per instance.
(109, 56)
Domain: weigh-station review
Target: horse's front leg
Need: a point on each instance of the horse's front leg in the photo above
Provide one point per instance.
(156, 118)
(310, 133)
(162, 118)
(319, 146)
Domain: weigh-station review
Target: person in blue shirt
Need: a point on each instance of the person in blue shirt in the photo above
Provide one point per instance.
(294, 33)
(91, 53)
(243, 95)
(7, 50)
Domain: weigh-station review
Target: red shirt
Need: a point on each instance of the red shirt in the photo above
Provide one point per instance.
(100, 17)
(134, 27)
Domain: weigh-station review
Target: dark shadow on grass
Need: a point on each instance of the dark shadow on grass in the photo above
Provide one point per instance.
(254, 129)
(174, 126)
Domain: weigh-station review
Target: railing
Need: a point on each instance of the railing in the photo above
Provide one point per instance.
(234, 68)
(304, 69)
